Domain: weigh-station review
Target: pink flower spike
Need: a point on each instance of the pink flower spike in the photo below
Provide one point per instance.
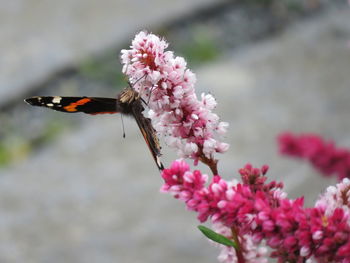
(323, 155)
(188, 124)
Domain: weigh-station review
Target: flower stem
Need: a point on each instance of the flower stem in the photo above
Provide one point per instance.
(212, 163)
(238, 248)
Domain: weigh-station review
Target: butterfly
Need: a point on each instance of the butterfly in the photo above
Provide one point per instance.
(128, 102)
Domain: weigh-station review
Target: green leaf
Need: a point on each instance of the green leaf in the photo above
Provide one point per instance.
(216, 237)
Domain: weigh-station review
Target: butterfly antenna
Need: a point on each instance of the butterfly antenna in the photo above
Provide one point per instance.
(133, 84)
(149, 97)
(150, 94)
(143, 101)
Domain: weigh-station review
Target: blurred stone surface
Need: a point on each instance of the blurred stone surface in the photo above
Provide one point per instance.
(296, 82)
(39, 38)
(93, 197)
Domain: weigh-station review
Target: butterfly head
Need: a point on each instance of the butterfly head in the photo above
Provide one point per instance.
(129, 95)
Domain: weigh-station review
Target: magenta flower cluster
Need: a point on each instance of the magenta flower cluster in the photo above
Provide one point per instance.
(188, 124)
(262, 211)
(323, 155)
(256, 215)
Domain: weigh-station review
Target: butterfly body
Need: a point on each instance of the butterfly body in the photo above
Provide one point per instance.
(128, 102)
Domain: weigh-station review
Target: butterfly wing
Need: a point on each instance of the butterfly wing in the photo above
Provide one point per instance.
(97, 105)
(148, 133)
(89, 105)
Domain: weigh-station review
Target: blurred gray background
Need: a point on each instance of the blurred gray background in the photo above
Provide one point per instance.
(73, 190)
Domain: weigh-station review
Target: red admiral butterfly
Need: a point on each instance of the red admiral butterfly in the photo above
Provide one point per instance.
(128, 102)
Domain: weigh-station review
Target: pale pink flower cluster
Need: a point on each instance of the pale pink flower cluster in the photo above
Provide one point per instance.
(253, 253)
(164, 82)
(336, 197)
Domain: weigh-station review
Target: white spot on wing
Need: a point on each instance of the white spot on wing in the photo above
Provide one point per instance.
(159, 163)
(56, 99)
(49, 105)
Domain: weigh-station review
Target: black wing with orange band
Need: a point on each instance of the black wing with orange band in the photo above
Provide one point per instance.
(89, 105)
(128, 103)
